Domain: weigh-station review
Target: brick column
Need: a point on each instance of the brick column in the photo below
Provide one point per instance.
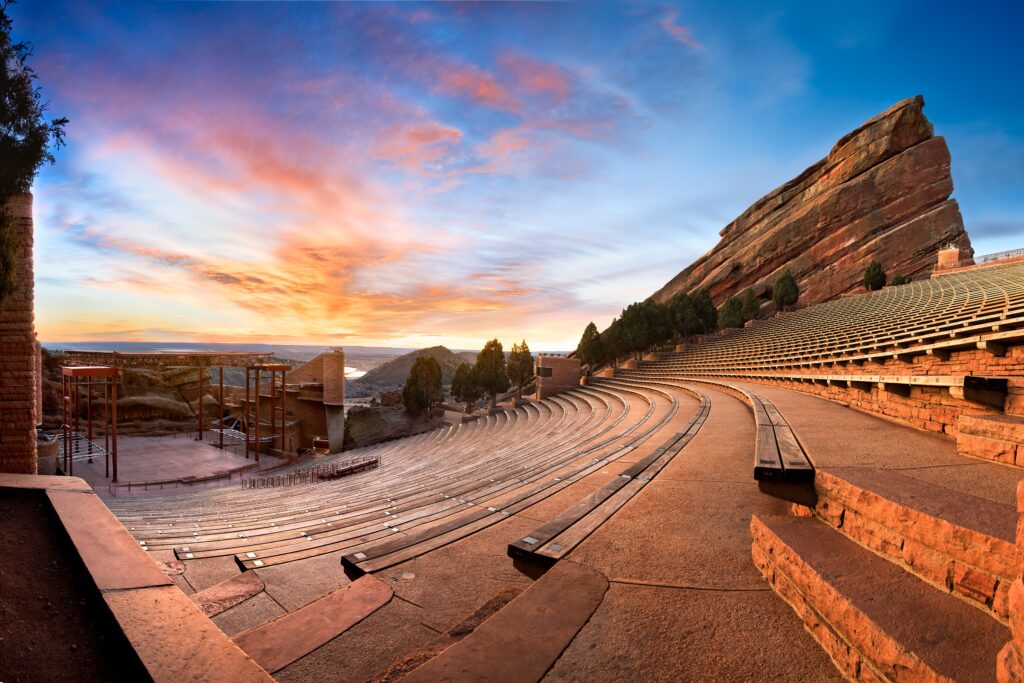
(334, 398)
(18, 379)
(556, 374)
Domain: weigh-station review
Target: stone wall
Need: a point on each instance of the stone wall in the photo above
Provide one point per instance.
(564, 374)
(883, 192)
(18, 368)
(930, 408)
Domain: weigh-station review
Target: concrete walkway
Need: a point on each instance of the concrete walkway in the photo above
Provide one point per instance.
(685, 601)
(837, 436)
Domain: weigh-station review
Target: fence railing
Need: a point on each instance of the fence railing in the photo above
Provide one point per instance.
(314, 474)
(987, 258)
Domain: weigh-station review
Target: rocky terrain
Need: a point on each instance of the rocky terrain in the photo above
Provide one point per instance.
(883, 193)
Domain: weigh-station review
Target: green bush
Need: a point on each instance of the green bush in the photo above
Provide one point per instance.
(731, 313)
(874, 276)
(750, 305)
(786, 292)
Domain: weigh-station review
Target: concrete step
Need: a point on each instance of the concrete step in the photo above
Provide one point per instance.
(874, 619)
(521, 641)
(992, 437)
(957, 542)
(278, 643)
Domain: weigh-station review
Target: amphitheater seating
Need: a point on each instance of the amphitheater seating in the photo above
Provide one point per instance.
(974, 309)
(550, 542)
(430, 489)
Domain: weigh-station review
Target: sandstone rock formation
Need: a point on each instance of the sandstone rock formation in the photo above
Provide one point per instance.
(882, 192)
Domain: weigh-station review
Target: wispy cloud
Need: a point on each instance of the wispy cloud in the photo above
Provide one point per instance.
(680, 33)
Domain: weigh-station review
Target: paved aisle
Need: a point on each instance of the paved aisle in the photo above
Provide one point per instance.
(838, 436)
(685, 601)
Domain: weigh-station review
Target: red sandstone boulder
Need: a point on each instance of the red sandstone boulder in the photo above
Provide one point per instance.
(882, 193)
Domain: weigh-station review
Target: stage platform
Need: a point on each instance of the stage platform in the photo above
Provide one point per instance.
(151, 458)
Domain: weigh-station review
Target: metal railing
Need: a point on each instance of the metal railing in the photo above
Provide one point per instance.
(315, 474)
(987, 258)
(999, 256)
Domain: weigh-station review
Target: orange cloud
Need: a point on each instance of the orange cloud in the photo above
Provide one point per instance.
(419, 146)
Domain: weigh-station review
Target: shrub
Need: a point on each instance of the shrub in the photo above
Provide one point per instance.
(785, 292)
(874, 276)
(898, 280)
(731, 313)
(750, 305)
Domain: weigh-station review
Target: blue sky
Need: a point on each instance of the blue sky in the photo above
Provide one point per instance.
(419, 173)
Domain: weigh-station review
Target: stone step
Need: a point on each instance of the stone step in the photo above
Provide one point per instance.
(521, 641)
(957, 542)
(228, 593)
(278, 643)
(992, 437)
(875, 620)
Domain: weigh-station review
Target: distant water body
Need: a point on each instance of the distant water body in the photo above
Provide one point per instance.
(291, 352)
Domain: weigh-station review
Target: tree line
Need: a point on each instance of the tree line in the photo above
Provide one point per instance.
(492, 374)
(645, 324)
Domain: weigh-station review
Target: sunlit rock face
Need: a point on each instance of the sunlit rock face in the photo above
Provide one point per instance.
(883, 193)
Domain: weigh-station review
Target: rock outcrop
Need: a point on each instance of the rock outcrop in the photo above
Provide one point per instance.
(882, 193)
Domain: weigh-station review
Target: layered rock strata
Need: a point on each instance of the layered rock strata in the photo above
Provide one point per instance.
(882, 193)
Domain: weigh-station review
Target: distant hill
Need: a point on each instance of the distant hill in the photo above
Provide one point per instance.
(394, 372)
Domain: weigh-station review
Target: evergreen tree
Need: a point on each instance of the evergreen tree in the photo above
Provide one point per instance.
(706, 310)
(659, 322)
(874, 276)
(520, 366)
(465, 387)
(900, 280)
(590, 350)
(731, 313)
(422, 390)
(750, 305)
(25, 141)
(636, 332)
(614, 343)
(785, 292)
(684, 315)
(490, 370)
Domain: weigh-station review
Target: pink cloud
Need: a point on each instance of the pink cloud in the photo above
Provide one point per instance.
(475, 84)
(679, 33)
(417, 146)
(536, 77)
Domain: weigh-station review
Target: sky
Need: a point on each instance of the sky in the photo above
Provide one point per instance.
(408, 174)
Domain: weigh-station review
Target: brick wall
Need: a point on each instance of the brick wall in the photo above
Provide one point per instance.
(931, 408)
(18, 378)
(565, 375)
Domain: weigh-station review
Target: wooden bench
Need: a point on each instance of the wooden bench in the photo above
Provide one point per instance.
(545, 545)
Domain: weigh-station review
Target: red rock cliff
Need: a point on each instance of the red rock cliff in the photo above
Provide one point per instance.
(882, 192)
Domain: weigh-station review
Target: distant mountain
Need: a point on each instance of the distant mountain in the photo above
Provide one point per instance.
(394, 372)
